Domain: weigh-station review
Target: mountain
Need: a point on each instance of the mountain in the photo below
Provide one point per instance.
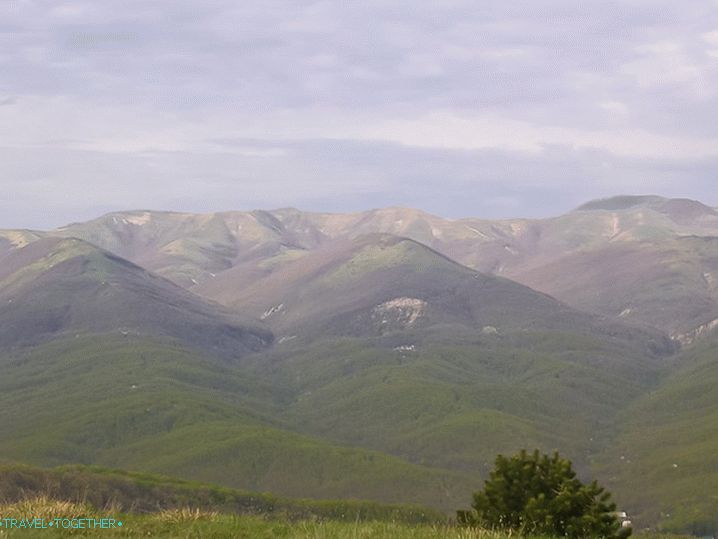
(15, 239)
(54, 287)
(379, 284)
(579, 258)
(188, 248)
(385, 344)
(664, 461)
(671, 284)
(149, 404)
(106, 363)
(396, 352)
(679, 210)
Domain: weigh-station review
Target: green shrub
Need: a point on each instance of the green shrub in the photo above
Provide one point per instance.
(538, 494)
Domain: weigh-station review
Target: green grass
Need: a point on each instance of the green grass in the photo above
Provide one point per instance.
(142, 492)
(186, 522)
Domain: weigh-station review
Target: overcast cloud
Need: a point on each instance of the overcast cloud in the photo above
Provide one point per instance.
(461, 108)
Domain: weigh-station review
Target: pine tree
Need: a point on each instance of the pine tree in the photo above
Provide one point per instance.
(538, 494)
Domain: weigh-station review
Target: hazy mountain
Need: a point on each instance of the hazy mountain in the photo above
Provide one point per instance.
(54, 287)
(380, 284)
(385, 344)
(399, 355)
(609, 256)
(15, 239)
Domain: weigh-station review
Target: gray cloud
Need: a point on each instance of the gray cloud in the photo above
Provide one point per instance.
(319, 104)
(54, 186)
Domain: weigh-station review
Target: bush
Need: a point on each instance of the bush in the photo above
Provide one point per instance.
(538, 494)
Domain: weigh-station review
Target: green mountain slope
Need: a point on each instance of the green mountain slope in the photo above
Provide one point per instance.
(388, 345)
(55, 287)
(106, 363)
(382, 284)
(156, 406)
(664, 462)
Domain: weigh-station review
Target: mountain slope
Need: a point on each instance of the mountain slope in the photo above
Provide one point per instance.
(53, 287)
(379, 284)
(106, 363)
(547, 254)
(388, 345)
(392, 364)
(153, 405)
(664, 462)
(671, 284)
(15, 239)
(189, 248)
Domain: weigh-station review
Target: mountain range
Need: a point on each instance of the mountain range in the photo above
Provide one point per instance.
(387, 355)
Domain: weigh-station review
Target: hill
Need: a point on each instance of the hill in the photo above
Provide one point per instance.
(132, 492)
(154, 405)
(403, 361)
(105, 363)
(380, 284)
(384, 343)
(55, 287)
(546, 254)
(664, 461)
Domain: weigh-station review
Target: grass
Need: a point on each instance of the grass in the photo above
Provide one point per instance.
(137, 492)
(187, 522)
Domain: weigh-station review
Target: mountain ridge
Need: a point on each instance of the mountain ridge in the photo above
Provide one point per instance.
(192, 249)
(391, 340)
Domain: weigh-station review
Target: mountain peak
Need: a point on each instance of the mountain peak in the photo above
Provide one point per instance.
(680, 210)
(621, 202)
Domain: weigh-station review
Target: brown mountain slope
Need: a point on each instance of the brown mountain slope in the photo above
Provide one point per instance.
(608, 256)
(379, 284)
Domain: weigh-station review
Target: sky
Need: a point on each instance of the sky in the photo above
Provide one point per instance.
(460, 108)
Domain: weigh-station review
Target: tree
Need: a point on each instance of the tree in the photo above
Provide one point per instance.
(538, 494)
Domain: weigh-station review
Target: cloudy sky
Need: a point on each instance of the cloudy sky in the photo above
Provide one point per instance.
(462, 108)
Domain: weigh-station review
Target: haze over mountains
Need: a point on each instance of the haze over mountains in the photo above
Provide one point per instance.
(388, 354)
(608, 256)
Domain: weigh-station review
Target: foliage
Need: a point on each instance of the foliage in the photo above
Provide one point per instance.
(538, 494)
(74, 490)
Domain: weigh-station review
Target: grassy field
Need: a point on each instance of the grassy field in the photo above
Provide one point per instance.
(134, 492)
(194, 523)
